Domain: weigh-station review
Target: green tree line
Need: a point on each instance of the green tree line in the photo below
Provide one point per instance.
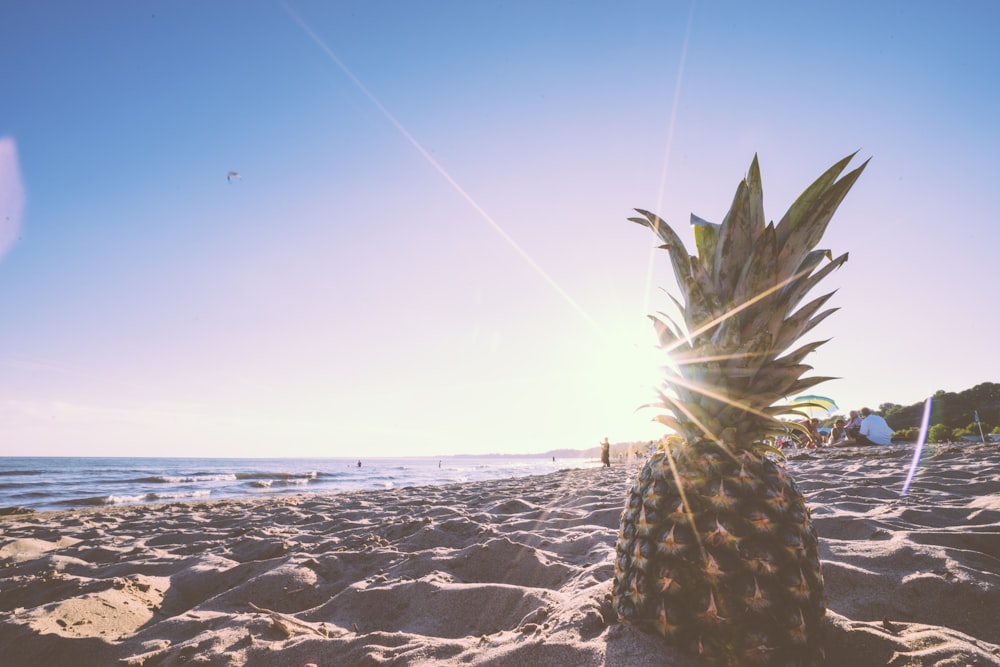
(953, 414)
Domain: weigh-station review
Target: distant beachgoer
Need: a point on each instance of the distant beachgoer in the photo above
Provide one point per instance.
(816, 438)
(853, 426)
(810, 433)
(874, 429)
(838, 432)
(359, 463)
(606, 453)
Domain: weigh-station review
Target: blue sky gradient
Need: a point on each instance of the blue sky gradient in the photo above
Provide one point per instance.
(427, 251)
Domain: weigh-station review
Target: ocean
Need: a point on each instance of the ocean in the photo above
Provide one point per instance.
(59, 483)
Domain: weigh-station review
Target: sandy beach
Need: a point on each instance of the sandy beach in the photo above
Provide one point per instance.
(509, 572)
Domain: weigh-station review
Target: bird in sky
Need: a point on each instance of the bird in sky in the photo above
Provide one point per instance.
(234, 175)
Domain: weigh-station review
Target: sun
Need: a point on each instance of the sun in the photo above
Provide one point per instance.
(629, 370)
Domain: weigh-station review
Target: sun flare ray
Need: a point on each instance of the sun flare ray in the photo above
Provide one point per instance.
(520, 251)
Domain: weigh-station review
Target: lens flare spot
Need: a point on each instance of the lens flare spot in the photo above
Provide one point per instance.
(919, 447)
(11, 195)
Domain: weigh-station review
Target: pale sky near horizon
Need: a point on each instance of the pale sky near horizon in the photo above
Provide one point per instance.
(426, 251)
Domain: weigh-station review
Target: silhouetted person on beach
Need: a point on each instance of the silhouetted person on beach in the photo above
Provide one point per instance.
(606, 453)
(874, 430)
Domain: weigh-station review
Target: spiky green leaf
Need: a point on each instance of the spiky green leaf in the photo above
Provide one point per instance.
(735, 242)
(808, 197)
(666, 331)
(797, 289)
(679, 257)
(755, 199)
(808, 231)
(706, 238)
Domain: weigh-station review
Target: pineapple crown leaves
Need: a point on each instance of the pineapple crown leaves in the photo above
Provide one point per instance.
(740, 313)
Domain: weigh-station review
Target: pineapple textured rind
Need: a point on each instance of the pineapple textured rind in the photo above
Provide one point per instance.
(732, 572)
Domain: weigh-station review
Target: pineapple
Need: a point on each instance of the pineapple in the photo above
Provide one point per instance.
(715, 550)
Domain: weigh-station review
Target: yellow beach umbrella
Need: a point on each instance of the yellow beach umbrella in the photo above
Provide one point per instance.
(813, 404)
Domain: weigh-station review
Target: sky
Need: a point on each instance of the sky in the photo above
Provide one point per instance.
(426, 248)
